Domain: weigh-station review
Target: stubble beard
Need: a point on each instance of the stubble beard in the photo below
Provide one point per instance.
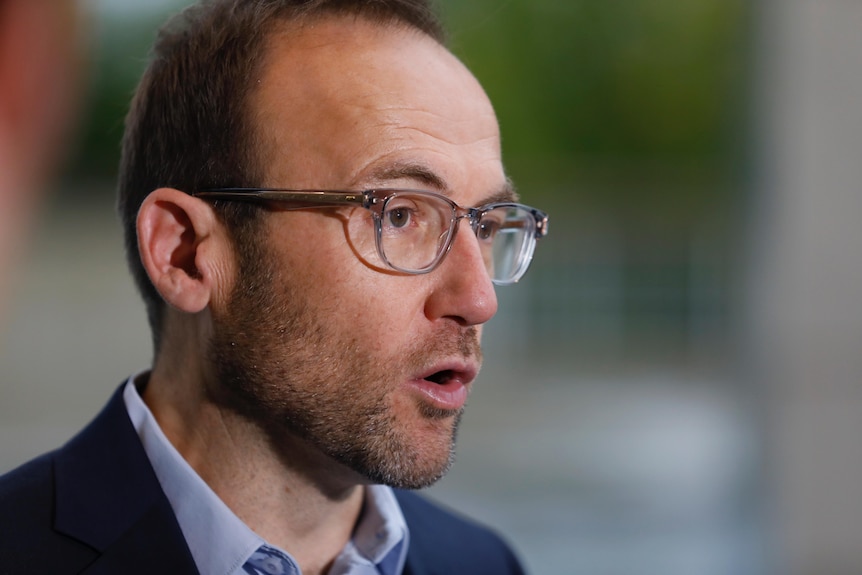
(280, 363)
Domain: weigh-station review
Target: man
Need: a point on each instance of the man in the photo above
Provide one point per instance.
(314, 347)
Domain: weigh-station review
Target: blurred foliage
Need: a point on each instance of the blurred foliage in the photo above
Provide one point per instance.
(633, 106)
(628, 107)
(120, 51)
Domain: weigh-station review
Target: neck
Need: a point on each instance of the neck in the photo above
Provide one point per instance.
(284, 489)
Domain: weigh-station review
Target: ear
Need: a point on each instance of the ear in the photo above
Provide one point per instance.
(183, 248)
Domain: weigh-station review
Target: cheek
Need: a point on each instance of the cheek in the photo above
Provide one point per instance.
(342, 279)
(307, 249)
(391, 308)
(361, 236)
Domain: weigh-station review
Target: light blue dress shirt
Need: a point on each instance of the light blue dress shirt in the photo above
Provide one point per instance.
(220, 543)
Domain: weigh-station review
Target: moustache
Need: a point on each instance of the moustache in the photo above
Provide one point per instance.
(453, 342)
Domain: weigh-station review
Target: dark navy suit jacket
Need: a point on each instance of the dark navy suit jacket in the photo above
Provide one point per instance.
(95, 506)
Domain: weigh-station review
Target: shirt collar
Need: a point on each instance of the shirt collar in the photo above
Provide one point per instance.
(221, 543)
(218, 540)
(381, 536)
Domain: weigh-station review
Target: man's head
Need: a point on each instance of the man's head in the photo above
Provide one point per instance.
(279, 315)
(191, 125)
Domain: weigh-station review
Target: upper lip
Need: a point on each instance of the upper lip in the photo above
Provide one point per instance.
(463, 371)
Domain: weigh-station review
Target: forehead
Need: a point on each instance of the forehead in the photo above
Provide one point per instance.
(341, 99)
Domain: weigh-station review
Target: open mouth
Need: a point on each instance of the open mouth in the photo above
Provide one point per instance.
(441, 377)
(447, 388)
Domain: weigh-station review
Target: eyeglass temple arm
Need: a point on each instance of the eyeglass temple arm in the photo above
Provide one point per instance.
(299, 196)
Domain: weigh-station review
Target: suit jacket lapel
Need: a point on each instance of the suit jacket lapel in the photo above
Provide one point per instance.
(108, 497)
(147, 548)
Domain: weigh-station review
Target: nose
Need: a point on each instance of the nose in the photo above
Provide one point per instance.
(463, 289)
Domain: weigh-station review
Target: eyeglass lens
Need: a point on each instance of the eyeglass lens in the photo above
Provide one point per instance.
(414, 232)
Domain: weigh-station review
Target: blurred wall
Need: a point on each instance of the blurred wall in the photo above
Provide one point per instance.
(805, 297)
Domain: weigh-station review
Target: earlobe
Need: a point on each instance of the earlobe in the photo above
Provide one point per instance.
(175, 233)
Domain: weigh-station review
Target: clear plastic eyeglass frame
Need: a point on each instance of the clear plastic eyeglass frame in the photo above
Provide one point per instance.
(414, 229)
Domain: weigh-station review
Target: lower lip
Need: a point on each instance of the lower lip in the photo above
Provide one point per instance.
(451, 395)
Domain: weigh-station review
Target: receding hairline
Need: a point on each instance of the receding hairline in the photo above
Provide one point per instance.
(293, 31)
(290, 28)
(302, 18)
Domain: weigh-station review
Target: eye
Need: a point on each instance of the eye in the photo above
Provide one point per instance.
(488, 228)
(402, 213)
(398, 217)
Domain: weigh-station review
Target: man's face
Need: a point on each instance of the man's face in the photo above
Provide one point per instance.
(369, 367)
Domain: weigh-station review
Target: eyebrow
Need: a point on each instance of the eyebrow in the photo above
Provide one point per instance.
(428, 177)
(410, 171)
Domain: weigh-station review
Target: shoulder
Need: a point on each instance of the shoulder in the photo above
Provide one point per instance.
(26, 494)
(42, 498)
(28, 542)
(452, 542)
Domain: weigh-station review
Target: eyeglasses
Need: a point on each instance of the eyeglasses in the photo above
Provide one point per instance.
(414, 229)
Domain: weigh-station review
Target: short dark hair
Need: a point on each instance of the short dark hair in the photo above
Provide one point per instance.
(189, 126)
